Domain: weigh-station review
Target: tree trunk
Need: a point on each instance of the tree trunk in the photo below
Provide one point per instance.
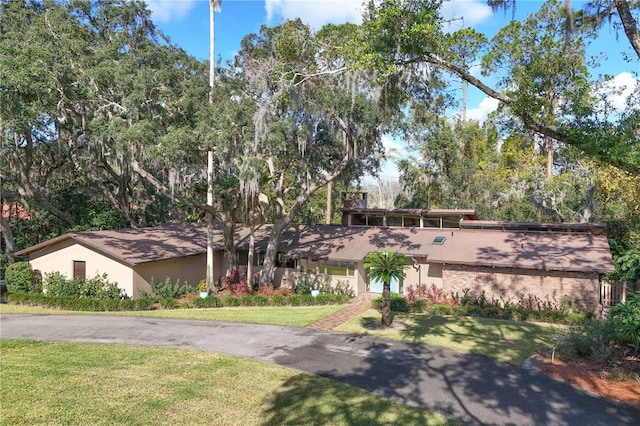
(386, 305)
(549, 143)
(252, 244)
(7, 235)
(268, 267)
(629, 24)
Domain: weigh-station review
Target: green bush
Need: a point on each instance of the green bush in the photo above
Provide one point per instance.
(490, 312)
(21, 278)
(626, 320)
(207, 302)
(419, 305)
(98, 287)
(254, 300)
(440, 310)
(79, 304)
(232, 301)
(170, 289)
(168, 302)
(397, 303)
(278, 300)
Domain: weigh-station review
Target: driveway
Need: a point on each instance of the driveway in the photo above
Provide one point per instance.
(464, 387)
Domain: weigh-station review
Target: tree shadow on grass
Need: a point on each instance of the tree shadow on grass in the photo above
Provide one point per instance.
(308, 400)
(469, 388)
(507, 341)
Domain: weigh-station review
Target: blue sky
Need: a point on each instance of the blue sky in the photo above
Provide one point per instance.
(186, 22)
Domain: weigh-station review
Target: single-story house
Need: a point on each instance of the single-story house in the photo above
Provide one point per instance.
(507, 260)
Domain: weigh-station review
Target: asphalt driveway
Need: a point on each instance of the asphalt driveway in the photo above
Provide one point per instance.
(468, 388)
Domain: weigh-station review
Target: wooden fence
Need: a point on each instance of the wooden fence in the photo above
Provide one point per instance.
(612, 293)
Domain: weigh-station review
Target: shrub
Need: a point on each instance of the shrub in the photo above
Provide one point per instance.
(21, 278)
(626, 319)
(236, 282)
(231, 301)
(254, 300)
(440, 310)
(168, 303)
(419, 306)
(270, 292)
(343, 288)
(79, 304)
(576, 318)
(417, 292)
(56, 284)
(278, 300)
(167, 288)
(397, 303)
(207, 302)
(303, 286)
(490, 312)
(98, 287)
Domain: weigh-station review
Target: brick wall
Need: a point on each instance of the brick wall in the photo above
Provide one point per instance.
(517, 284)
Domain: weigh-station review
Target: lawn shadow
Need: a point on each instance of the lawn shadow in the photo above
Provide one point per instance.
(469, 388)
(508, 341)
(308, 400)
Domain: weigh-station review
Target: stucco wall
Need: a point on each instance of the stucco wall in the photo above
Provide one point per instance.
(60, 257)
(189, 270)
(517, 284)
(422, 273)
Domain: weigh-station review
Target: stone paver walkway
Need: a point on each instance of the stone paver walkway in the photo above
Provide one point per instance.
(357, 306)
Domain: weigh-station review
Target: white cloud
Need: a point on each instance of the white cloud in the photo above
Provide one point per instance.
(464, 13)
(166, 10)
(316, 13)
(480, 113)
(618, 90)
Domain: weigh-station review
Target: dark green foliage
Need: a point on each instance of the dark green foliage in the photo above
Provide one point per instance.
(207, 302)
(168, 288)
(254, 300)
(98, 287)
(419, 305)
(232, 301)
(305, 286)
(21, 278)
(440, 310)
(168, 303)
(626, 320)
(79, 304)
(397, 303)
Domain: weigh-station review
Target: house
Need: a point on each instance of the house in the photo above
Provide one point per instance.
(506, 260)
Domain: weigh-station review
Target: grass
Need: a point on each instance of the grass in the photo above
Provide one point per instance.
(299, 316)
(505, 341)
(70, 383)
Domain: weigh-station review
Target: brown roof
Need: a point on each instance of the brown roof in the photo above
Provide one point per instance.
(528, 250)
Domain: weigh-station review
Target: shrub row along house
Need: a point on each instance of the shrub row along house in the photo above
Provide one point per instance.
(452, 249)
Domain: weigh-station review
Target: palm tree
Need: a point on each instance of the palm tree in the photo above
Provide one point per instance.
(386, 266)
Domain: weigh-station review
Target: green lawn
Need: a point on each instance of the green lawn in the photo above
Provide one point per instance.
(506, 341)
(299, 316)
(82, 384)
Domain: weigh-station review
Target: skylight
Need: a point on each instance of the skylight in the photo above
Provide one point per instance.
(438, 240)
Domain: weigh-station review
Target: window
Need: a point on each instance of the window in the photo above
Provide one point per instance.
(438, 240)
(80, 269)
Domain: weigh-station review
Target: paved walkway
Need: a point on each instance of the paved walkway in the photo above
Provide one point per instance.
(357, 306)
(469, 388)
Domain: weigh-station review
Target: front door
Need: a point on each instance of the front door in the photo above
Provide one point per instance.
(376, 286)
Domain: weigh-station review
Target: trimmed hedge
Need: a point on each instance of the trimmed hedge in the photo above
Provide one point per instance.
(146, 303)
(79, 304)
